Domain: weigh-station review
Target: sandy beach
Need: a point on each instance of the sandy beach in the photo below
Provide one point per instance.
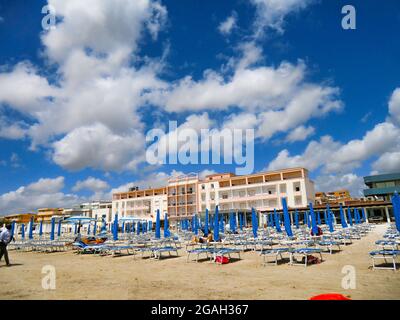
(95, 277)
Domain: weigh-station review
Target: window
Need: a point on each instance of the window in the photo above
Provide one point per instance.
(282, 188)
(212, 185)
(203, 187)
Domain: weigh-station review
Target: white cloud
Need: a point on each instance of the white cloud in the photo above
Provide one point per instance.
(46, 192)
(92, 184)
(349, 181)
(300, 133)
(387, 163)
(332, 156)
(226, 27)
(98, 147)
(271, 14)
(394, 107)
(13, 130)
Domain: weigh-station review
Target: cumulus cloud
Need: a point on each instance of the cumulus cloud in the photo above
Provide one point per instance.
(226, 26)
(387, 162)
(394, 107)
(92, 184)
(98, 147)
(46, 192)
(349, 181)
(271, 14)
(300, 133)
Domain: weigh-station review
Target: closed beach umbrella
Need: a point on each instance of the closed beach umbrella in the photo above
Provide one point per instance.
(216, 224)
(53, 227)
(277, 223)
(150, 226)
(241, 221)
(357, 216)
(309, 225)
(123, 226)
(75, 228)
(396, 209)
(31, 229)
(59, 229)
(41, 228)
(95, 227)
(254, 222)
(222, 225)
(12, 229)
(286, 218)
(103, 225)
(314, 226)
(23, 231)
(196, 225)
(206, 223)
(364, 218)
(158, 225)
(325, 217)
(166, 227)
(330, 218)
(88, 230)
(138, 227)
(296, 219)
(318, 218)
(115, 227)
(350, 218)
(231, 221)
(342, 219)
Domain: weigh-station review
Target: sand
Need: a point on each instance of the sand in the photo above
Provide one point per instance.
(95, 277)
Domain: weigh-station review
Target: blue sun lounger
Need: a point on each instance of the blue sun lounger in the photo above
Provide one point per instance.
(226, 252)
(385, 255)
(198, 252)
(387, 244)
(329, 244)
(274, 253)
(304, 253)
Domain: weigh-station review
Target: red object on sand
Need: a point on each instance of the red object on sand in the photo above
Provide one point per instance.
(330, 296)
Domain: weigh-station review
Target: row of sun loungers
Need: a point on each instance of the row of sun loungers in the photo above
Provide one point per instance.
(387, 250)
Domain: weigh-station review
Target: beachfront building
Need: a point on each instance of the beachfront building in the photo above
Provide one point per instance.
(382, 186)
(187, 195)
(19, 218)
(99, 209)
(341, 196)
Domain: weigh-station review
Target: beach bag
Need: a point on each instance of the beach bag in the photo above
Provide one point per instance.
(221, 259)
(313, 260)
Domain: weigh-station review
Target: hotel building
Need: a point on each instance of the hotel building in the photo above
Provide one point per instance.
(187, 195)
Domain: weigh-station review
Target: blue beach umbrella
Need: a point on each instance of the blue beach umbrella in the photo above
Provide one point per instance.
(254, 222)
(286, 218)
(150, 226)
(206, 223)
(216, 224)
(357, 216)
(196, 225)
(222, 225)
(158, 225)
(103, 224)
(241, 221)
(41, 228)
(88, 230)
(30, 236)
(364, 217)
(277, 223)
(95, 227)
(53, 227)
(342, 219)
(123, 226)
(59, 228)
(166, 227)
(325, 217)
(231, 222)
(12, 229)
(396, 209)
(296, 219)
(138, 228)
(309, 225)
(75, 228)
(330, 218)
(115, 227)
(314, 226)
(350, 218)
(318, 218)
(23, 231)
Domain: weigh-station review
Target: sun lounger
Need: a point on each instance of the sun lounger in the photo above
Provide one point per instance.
(303, 253)
(387, 244)
(385, 255)
(329, 244)
(226, 252)
(157, 252)
(274, 253)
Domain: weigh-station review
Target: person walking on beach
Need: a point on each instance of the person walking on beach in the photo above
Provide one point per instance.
(5, 239)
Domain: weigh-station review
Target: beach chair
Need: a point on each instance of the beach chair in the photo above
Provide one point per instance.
(303, 253)
(328, 245)
(225, 252)
(385, 255)
(274, 253)
(387, 244)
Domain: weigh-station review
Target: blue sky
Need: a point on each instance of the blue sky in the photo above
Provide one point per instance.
(76, 101)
